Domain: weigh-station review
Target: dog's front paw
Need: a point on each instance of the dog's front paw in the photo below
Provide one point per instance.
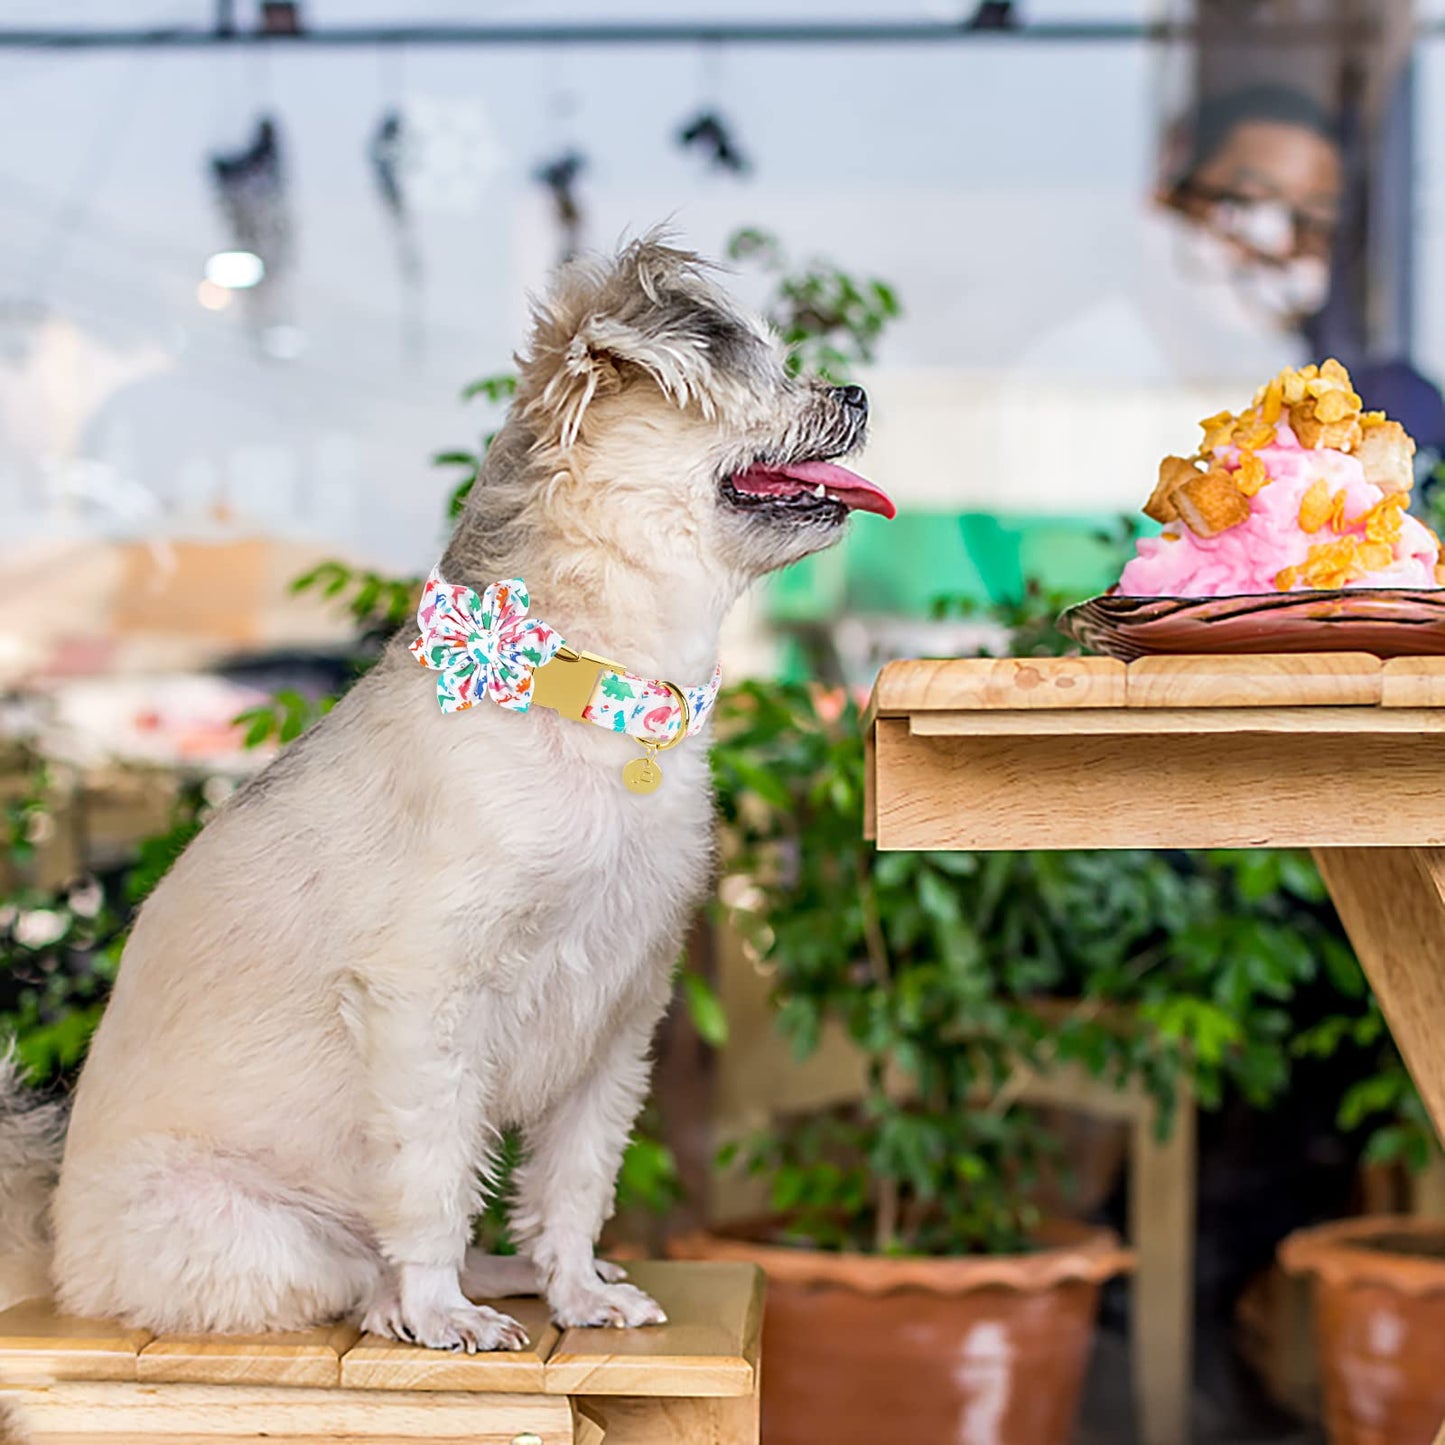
(467, 1328)
(615, 1306)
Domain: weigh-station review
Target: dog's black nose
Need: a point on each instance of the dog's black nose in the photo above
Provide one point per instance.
(854, 398)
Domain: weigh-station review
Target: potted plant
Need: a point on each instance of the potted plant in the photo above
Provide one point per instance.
(1379, 1279)
(910, 1268)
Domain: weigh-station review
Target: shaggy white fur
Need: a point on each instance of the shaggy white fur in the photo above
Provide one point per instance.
(413, 931)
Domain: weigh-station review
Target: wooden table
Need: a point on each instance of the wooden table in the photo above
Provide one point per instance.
(693, 1381)
(1336, 752)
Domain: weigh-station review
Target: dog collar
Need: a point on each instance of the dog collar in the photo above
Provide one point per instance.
(487, 646)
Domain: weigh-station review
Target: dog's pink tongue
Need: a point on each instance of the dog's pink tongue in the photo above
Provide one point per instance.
(855, 492)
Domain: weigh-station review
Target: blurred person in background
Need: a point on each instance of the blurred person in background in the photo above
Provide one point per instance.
(1232, 260)
(1259, 201)
(1257, 205)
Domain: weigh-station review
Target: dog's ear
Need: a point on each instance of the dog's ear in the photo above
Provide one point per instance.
(579, 371)
(638, 312)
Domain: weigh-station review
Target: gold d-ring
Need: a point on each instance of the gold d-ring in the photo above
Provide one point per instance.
(682, 732)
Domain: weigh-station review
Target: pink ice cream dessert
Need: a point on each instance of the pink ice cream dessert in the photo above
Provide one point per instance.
(1302, 491)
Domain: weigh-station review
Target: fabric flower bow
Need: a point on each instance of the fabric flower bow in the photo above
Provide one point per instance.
(481, 646)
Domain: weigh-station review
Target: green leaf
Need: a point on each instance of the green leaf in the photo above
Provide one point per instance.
(648, 1177)
(496, 388)
(457, 502)
(705, 1009)
(259, 723)
(937, 899)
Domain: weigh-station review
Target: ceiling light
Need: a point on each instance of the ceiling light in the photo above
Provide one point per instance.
(235, 270)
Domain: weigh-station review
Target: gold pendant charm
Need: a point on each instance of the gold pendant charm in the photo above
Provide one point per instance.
(642, 775)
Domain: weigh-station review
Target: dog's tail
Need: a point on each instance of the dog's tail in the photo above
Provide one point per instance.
(32, 1135)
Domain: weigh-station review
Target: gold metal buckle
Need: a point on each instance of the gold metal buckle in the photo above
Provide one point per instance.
(566, 683)
(682, 732)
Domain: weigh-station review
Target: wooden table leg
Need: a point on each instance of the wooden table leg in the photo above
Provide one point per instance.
(1392, 903)
(1161, 1229)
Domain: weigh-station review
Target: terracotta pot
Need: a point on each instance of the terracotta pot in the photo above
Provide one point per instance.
(987, 1350)
(1379, 1325)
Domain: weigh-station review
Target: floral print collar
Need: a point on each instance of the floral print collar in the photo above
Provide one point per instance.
(487, 647)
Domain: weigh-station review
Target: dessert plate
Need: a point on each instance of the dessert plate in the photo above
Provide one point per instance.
(1389, 622)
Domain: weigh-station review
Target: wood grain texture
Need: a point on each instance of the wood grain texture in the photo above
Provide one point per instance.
(193, 1413)
(379, 1364)
(1362, 722)
(190, 1437)
(709, 1346)
(1242, 791)
(1413, 682)
(1392, 903)
(302, 1357)
(587, 1426)
(1025, 683)
(37, 1345)
(870, 809)
(631, 1420)
(1333, 679)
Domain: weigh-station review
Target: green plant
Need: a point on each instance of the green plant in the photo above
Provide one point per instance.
(950, 971)
(1382, 1105)
(60, 944)
(830, 320)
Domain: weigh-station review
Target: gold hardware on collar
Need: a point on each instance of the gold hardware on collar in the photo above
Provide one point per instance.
(682, 731)
(566, 683)
(643, 775)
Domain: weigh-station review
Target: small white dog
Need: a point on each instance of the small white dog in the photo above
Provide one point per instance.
(415, 930)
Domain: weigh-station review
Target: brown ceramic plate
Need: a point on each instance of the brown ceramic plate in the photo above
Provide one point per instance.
(1389, 622)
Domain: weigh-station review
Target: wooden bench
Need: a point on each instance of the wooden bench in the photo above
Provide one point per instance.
(693, 1381)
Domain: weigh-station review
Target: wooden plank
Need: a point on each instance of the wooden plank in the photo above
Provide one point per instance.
(1241, 791)
(1333, 679)
(637, 1420)
(1413, 682)
(189, 1437)
(587, 1426)
(1161, 1229)
(1071, 1086)
(870, 804)
(103, 1412)
(709, 1346)
(380, 1364)
(1392, 903)
(1427, 1189)
(302, 1357)
(933, 685)
(38, 1344)
(1362, 722)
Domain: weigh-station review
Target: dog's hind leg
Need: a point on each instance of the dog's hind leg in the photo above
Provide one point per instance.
(168, 1234)
(565, 1189)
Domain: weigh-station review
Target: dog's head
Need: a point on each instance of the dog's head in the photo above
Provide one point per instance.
(664, 417)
